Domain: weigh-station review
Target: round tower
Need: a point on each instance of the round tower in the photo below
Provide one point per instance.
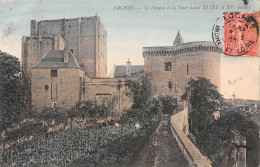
(180, 63)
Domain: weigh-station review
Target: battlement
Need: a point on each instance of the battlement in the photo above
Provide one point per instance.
(180, 49)
(172, 67)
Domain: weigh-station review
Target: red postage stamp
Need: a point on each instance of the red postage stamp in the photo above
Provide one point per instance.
(241, 32)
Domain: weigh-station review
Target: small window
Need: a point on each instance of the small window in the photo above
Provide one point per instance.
(71, 50)
(170, 85)
(54, 73)
(46, 87)
(187, 69)
(168, 66)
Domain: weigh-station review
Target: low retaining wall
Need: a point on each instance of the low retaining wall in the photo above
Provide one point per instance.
(181, 120)
(189, 150)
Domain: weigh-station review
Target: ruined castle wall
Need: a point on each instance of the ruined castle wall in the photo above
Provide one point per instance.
(65, 89)
(186, 64)
(98, 89)
(86, 36)
(35, 48)
(59, 43)
(88, 47)
(34, 28)
(102, 49)
(49, 28)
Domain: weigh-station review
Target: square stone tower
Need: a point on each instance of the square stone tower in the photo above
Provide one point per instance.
(85, 37)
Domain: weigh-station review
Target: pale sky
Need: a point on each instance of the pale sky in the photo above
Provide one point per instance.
(130, 30)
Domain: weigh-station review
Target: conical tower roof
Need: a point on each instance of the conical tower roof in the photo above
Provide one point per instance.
(178, 39)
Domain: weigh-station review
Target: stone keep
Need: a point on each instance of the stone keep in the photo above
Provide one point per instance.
(67, 63)
(86, 37)
(172, 67)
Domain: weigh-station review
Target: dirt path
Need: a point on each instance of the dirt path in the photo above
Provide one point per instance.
(162, 150)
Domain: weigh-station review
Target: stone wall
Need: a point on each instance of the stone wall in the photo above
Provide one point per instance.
(64, 90)
(100, 88)
(86, 36)
(181, 120)
(189, 150)
(189, 60)
(102, 51)
(71, 86)
(35, 48)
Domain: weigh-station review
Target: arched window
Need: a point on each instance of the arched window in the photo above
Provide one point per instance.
(54, 104)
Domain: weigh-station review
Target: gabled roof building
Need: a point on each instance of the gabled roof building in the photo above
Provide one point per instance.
(128, 70)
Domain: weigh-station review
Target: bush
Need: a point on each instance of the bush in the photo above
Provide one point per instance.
(93, 109)
(215, 138)
(169, 104)
(14, 91)
(34, 125)
(140, 91)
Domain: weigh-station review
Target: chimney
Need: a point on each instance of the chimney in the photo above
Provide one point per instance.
(128, 68)
(66, 56)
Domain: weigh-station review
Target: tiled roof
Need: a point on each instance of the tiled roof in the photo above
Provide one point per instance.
(55, 59)
(120, 71)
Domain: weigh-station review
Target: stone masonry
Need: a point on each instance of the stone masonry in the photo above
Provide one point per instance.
(56, 81)
(67, 63)
(86, 37)
(172, 67)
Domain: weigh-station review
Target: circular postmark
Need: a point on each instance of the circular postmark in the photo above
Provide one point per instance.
(236, 34)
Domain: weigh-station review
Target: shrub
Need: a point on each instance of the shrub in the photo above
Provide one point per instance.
(140, 90)
(14, 91)
(169, 104)
(215, 138)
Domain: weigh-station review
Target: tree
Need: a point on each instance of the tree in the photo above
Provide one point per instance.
(204, 99)
(216, 138)
(145, 107)
(14, 91)
(140, 90)
(169, 104)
